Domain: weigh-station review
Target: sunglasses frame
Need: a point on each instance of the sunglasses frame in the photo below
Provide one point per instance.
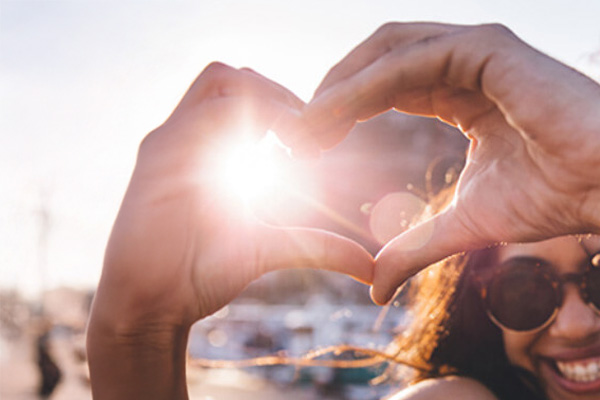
(557, 282)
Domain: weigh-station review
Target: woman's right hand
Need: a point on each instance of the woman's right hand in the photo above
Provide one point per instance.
(182, 247)
(533, 168)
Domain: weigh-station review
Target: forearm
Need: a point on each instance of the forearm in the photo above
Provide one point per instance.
(145, 362)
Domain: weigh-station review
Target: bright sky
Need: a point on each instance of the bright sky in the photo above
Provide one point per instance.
(81, 83)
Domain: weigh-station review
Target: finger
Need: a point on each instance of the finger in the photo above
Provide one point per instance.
(410, 79)
(384, 40)
(245, 115)
(283, 92)
(415, 249)
(195, 138)
(457, 107)
(292, 132)
(220, 80)
(377, 88)
(312, 248)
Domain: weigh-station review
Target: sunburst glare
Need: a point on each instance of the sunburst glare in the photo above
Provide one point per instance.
(254, 171)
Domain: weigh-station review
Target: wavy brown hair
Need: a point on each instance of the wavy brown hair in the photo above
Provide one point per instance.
(449, 332)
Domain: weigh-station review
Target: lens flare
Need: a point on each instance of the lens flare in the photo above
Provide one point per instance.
(394, 214)
(253, 171)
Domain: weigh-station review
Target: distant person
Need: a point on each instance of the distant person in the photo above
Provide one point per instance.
(180, 249)
(50, 373)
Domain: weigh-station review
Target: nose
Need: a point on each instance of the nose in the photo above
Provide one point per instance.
(576, 321)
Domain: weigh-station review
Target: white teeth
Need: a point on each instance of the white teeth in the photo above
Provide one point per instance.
(580, 371)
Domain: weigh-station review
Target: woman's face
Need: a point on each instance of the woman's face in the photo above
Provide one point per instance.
(571, 343)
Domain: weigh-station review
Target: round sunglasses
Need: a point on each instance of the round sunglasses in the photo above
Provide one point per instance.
(524, 294)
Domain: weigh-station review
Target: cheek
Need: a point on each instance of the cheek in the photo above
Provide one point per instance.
(518, 349)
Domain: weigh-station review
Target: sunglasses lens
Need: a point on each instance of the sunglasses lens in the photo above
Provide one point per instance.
(521, 297)
(593, 286)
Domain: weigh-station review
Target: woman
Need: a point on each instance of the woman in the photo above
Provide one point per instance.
(511, 328)
(181, 249)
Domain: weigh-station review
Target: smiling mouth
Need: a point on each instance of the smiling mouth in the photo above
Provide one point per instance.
(579, 371)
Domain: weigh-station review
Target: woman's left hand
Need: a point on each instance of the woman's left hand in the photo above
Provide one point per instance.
(533, 169)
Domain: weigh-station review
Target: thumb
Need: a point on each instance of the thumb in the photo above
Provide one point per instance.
(415, 249)
(287, 248)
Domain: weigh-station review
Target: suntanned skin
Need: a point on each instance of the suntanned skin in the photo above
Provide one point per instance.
(573, 334)
(180, 249)
(534, 163)
(575, 326)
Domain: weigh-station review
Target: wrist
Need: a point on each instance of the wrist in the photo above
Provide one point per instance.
(143, 360)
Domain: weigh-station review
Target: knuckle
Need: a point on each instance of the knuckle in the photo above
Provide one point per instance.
(216, 69)
(249, 70)
(216, 79)
(151, 142)
(388, 29)
(493, 30)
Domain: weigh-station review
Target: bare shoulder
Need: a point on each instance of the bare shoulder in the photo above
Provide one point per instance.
(451, 387)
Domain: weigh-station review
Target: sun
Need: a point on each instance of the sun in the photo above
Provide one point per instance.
(254, 171)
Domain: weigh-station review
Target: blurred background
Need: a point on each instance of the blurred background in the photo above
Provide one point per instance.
(82, 82)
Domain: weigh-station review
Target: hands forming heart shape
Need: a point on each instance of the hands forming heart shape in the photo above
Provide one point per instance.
(180, 249)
